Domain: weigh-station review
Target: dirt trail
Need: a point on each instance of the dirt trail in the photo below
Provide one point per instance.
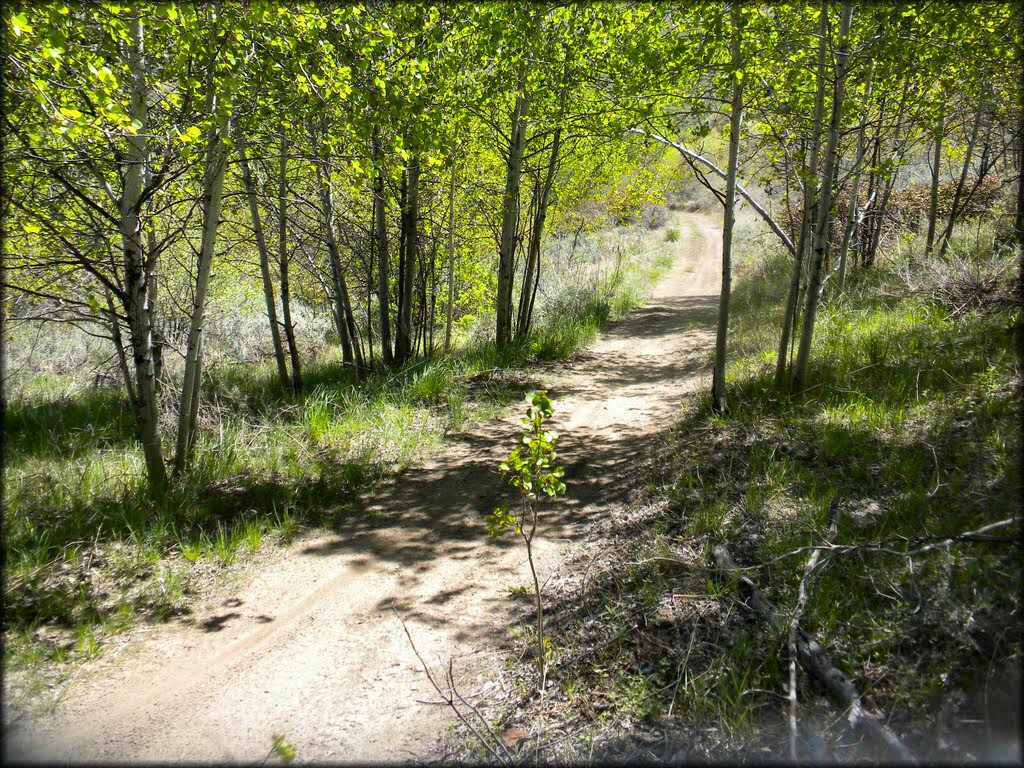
(310, 647)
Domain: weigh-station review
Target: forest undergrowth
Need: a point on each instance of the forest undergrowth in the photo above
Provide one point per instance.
(88, 553)
(910, 439)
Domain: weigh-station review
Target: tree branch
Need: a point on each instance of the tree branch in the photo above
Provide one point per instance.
(719, 172)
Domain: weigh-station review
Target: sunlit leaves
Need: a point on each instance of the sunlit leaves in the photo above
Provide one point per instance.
(530, 466)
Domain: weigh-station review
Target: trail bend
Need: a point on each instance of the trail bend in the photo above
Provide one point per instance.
(310, 646)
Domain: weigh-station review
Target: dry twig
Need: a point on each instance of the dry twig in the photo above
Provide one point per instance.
(504, 757)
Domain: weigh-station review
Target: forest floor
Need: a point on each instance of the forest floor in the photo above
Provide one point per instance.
(309, 643)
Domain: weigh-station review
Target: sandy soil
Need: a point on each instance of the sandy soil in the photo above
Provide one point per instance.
(311, 647)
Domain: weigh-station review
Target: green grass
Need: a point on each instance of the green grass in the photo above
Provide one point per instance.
(911, 420)
(89, 549)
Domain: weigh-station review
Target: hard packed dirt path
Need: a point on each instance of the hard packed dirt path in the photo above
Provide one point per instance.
(311, 647)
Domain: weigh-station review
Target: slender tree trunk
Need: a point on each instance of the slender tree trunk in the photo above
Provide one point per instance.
(933, 205)
(853, 206)
(1018, 222)
(344, 317)
(510, 216)
(282, 256)
(369, 284)
(410, 226)
(451, 260)
(868, 217)
(117, 338)
(261, 247)
(528, 294)
(403, 195)
(429, 339)
(213, 184)
(789, 319)
(822, 217)
(960, 184)
(140, 327)
(152, 263)
(875, 232)
(383, 270)
(193, 410)
(718, 399)
(421, 313)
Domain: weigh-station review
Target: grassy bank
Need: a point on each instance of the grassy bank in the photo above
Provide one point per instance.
(88, 551)
(908, 434)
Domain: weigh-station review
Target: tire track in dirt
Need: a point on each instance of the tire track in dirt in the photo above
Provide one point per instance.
(310, 646)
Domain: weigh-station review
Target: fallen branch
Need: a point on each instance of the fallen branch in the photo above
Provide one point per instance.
(885, 545)
(814, 661)
(794, 622)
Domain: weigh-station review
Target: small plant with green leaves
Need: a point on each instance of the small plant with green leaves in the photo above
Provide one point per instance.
(530, 468)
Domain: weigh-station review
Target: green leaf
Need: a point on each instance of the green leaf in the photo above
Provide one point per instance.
(284, 751)
(190, 135)
(20, 24)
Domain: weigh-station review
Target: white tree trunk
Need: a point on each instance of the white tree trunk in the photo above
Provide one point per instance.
(213, 188)
(137, 279)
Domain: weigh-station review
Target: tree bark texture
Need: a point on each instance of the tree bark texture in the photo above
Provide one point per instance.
(282, 260)
(136, 292)
(961, 183)
(853, 205)
(933, 204)
(451, 261)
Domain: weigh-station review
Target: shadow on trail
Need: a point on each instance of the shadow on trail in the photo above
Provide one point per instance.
(436, 512)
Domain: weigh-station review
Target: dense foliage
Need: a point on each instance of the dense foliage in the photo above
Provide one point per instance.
(290, 230)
